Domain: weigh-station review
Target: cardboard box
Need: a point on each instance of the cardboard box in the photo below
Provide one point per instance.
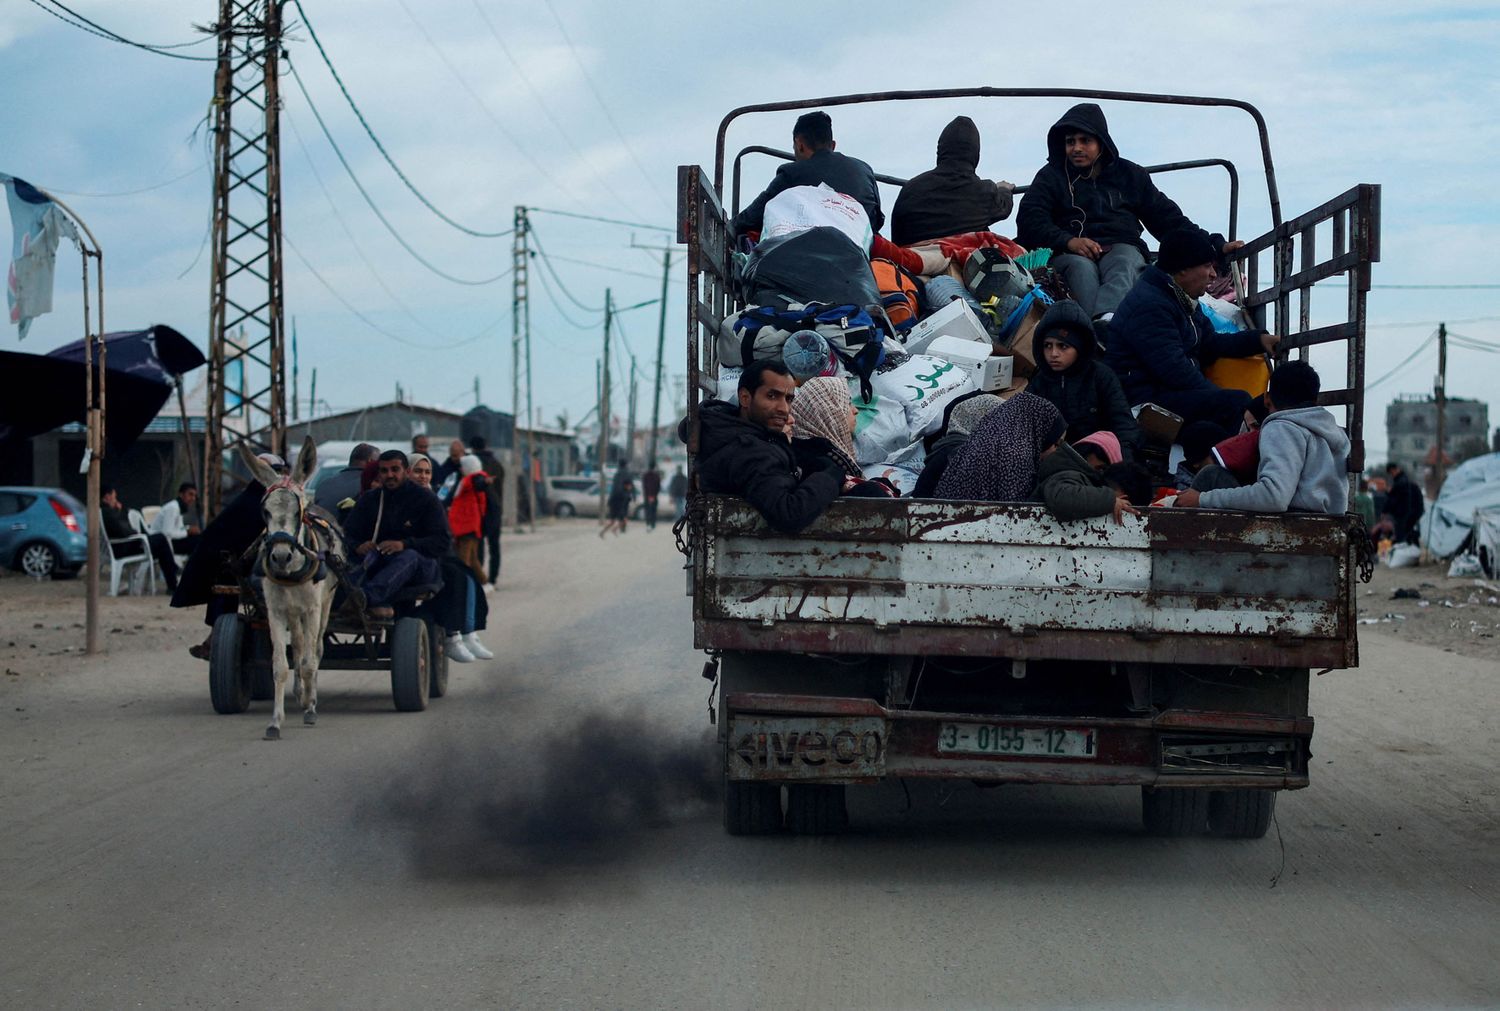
(955, 319)
(1018, 345)
(989, 372)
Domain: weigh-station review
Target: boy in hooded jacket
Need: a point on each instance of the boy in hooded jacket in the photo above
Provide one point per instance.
(1303, 454)
(950, 199)
(1069, 374)
(1087, 204)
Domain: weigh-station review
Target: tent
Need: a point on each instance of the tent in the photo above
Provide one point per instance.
(1487, 539)
(1472, 486)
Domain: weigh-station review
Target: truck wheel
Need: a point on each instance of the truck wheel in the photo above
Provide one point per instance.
(816, 809)
(1172, 812)
(751, 808)
(228, 685)
(437, 684)
(1240, 814)
(411, 665)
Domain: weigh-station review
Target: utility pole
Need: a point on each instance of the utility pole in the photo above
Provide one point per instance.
(1440, 391)
(476, 392)
(245, 290)
(630, 417)
(520, 328)
(661, 343)
(295, 415)
(609, 310)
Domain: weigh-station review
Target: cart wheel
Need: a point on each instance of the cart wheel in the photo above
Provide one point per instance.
(1173, 812)
(816, 809)
(411, 665)
(752, 808)
(228, 686)
(262, 675)
(437, 685)
(1240, 814)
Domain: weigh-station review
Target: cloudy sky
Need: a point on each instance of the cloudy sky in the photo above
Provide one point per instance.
(588, 108)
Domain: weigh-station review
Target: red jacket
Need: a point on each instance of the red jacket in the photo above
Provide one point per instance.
(466, 514)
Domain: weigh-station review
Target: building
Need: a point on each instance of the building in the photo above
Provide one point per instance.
(1411, 432)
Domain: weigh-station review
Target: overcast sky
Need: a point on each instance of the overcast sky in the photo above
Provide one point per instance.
(589, 107)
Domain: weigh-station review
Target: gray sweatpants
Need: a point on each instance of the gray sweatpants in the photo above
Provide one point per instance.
(1099, 286)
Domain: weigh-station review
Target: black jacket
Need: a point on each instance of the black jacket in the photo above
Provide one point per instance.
(1088, 394)
(1070, 488)
(937, 462)
(1109, 207)
(1155, 345)
(844, 174)
(1404, 502)
(411, 514)
(231, 532)
(738, 457)
(951, 198)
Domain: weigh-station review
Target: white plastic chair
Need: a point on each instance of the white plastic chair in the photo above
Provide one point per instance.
(119, 566)
(139, 525)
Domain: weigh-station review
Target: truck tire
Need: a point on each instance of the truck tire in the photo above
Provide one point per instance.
(437, 682)
(228, 685)
(751, 808)
(1174, 812)
(411, 665)
(816, 809)
(1240, 814)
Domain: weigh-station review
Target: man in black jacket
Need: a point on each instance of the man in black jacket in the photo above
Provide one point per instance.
(1404, 504)
(747, 451)
(817, 162)
(1160, 339)
(399, 531)
(344, 486)
(1087, 204)
(950, 199)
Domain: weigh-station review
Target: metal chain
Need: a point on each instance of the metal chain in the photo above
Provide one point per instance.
(1364, 550)
(688, 530)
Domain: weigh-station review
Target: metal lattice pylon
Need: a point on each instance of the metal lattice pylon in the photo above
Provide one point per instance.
(246, 379)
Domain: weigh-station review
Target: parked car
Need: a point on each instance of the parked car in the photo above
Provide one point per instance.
(43, 531)
(578, 495)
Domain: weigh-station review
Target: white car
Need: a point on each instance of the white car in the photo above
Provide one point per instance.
(578, 495)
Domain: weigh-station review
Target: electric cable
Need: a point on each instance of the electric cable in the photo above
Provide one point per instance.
(296, 77)
(94, 28)
(604, 220)
(130, 193)
(552, 297)
(1404, 362)
(376, 140)
(547, 263)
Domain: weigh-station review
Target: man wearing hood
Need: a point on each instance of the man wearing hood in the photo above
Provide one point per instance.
(1303, 454)
(1087, 204)
(816, 162)
(950, 199)
(747, 451)
(1160, 339)
(1069, 374)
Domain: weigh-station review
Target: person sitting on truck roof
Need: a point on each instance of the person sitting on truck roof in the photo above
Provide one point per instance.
(1160, 338)
(399, 532)
(1019, 454)
(1303, 454)
(825, 431)
(1088, 205)
(964, 415)
(746, 450)
(1070, 375)
(951, 198)
(816, 162)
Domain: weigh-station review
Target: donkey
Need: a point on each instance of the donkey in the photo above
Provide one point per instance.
(299, 585)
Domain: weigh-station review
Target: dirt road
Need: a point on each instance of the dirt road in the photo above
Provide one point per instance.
(548, 835)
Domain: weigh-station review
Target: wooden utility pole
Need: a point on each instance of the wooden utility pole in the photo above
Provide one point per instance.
(661, 345)
(609, 311)
(1440, 394)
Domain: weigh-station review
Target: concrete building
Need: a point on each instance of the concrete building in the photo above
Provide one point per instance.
(1411, 431)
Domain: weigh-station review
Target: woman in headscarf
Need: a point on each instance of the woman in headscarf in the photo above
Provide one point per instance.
(823, 418)
(1018, 454)
(460, 606)
(964, 417)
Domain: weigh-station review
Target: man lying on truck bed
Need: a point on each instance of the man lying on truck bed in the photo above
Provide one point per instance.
(747, 451)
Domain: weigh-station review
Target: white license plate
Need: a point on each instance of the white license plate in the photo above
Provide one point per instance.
(999, 739)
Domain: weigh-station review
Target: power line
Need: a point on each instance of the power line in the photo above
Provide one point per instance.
(541, 103)
(94, 28)
(1409, 324)
(376, 326)
(376, 140)
(371, 201)
(1405, 362)
(130, 193)
(595, 217)
(546, 262)
(552, 297)
(1437, 287)
(606, 266)
(589, 80)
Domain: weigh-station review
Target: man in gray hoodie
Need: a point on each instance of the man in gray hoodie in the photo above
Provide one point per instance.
(1303, 454)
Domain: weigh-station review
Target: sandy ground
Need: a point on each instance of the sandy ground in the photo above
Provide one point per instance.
(1459, 615)
(548, 835)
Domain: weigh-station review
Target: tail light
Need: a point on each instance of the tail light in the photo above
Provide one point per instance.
(66, 515)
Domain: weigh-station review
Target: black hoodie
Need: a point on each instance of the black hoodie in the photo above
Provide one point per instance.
(739, 457)
(951, 198)
(1109, 205)
(1088, 393)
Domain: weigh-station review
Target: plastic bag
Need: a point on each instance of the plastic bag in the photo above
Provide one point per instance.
(803, 207)
(816, 265)
(923, 385)
(1226, 317)
(901, 468)
(880, 427)
(1465, 564)
(1403, 556)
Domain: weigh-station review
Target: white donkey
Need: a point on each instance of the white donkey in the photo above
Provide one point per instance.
(299, 584)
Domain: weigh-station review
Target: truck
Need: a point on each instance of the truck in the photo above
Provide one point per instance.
(991, 642)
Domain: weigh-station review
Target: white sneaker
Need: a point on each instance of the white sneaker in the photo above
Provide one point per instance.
(457, 651)
(476, 647)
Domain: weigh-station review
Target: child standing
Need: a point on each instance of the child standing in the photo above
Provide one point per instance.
(1070, 376)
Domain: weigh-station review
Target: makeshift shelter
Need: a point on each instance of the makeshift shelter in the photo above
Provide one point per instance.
(1473, 485)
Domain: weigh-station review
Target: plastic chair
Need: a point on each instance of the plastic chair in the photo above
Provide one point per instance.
(119, 566)
(139, 525)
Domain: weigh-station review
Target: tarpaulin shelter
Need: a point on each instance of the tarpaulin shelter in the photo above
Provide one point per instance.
(1473, 485)
(41, 392)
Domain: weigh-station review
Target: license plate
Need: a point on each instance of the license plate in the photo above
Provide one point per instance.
(998, 739)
